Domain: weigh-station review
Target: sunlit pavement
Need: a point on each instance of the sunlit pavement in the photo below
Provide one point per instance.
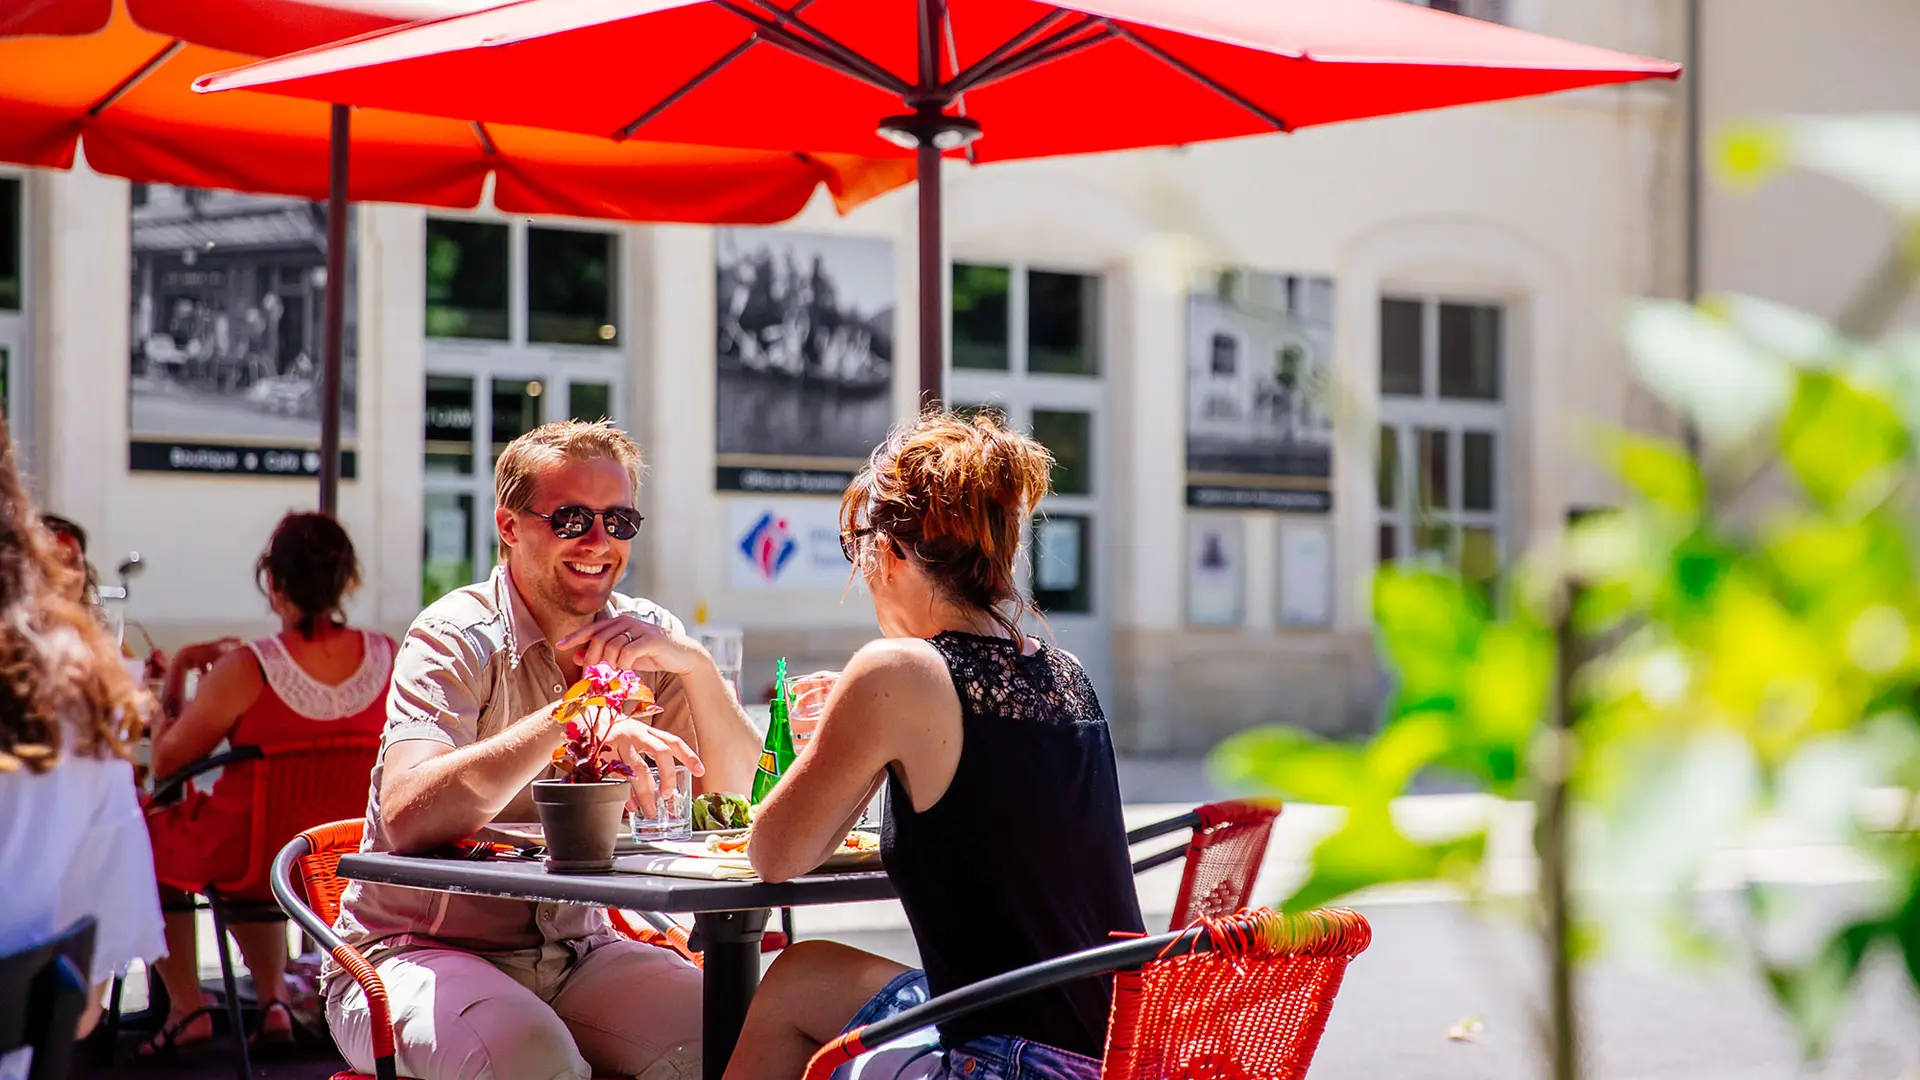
(1438, 966)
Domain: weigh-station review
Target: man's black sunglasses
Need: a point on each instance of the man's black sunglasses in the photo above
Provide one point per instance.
(572, 522)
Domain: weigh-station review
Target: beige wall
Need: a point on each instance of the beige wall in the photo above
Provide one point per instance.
(1802, 239)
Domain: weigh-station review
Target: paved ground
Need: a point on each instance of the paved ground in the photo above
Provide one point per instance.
(1435, 964)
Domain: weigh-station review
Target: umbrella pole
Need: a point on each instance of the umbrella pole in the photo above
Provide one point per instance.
(333, 341)
(933, 330)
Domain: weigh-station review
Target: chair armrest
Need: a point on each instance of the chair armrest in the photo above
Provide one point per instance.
(169, 789)
(379, 1013)
(1126, 954)
(1186, 821)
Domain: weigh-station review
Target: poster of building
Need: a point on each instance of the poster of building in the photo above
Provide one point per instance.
(1259, 409)
(785, 544)
(229, 295)
(805, 352)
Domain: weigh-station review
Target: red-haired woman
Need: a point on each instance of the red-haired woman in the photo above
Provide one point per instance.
(316, 678)
(1003, 833)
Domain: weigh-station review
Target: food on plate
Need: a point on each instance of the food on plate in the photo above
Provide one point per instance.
(855, 843)
(721, 810)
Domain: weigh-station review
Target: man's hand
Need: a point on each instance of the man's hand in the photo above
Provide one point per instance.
(631, 643)
(634, 742)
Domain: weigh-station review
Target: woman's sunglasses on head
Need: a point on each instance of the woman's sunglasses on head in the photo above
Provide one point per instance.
(572, 522)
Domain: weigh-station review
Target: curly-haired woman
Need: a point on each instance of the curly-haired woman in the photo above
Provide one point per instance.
(70, 826)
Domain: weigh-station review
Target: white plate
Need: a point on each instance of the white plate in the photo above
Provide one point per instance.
(530, 834)
(697, 848)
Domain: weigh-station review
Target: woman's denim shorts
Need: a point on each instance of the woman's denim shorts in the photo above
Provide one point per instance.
(919, 1056)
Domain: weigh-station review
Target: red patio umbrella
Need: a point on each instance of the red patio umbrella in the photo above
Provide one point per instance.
(115, 77)
(1000, 78)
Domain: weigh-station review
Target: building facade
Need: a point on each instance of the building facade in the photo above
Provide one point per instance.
(1262, 366)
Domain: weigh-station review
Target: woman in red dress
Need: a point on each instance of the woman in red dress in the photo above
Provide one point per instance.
(316, 678)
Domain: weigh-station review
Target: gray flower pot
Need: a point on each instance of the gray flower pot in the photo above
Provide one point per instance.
(581, 823)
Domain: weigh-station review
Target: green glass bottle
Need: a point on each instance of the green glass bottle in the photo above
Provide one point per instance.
(776, 754)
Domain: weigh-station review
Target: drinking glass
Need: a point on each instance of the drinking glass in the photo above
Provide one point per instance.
(673, 807)
(807, 703)
(727, 647)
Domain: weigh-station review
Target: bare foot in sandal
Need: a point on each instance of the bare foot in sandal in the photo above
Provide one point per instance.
(276, 1025)
(179, 1033)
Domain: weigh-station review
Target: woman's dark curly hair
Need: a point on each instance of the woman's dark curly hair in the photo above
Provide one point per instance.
(62, 685)
(310, 562)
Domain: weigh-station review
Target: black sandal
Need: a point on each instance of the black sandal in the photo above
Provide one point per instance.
(165, 1044)
(263, 1039)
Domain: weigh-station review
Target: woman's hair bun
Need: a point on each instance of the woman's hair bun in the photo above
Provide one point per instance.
(955, 490)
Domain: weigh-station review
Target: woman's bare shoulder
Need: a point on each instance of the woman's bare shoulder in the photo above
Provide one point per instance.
(908, 672)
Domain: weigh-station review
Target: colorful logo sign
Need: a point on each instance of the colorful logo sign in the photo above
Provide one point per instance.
(769, 545)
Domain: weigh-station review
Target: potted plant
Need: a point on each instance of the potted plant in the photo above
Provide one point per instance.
(580, 809)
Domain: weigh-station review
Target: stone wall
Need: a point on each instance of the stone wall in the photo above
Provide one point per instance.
(1181, 692)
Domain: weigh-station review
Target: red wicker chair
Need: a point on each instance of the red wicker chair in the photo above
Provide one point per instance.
(295, 786)
(1242, 997)
(1223, 857)
(307, 884)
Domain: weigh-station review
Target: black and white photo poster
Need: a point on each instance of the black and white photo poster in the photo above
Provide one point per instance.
(229, 294)
(805, 350)
(1259, 410)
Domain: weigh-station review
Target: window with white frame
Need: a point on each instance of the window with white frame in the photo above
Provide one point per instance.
(500, 281)
(1443, 448)
(1488, 10)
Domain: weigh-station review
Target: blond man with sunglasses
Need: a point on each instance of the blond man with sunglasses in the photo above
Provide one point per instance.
(502, 988)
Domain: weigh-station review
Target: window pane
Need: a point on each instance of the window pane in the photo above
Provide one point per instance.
(977, 410)
(1388, 543)
(446, 561)
(570, 286)
(449, 426)
(516, 411)
(1062, 573)
(590, 401)
(1226, 354)
(1435, 539)
(11, 229)
(1433, 468)
(980, 316)
(1476, 470)
(1070, 436)
(1479, 554)
(1470, 352)
(1388, 472)
(1063, 312)
(1400, 348)
(466, 279)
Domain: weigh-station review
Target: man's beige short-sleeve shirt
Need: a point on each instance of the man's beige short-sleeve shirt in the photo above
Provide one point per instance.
(473, 664)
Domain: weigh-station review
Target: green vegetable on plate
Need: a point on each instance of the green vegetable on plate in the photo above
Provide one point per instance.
(721, 810)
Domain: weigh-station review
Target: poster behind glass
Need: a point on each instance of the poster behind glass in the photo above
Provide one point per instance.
(804, 344)
(1259, 409)
(229, 295)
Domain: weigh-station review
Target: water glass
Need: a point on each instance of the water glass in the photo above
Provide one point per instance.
(673, 807)
(807, 703)
(728, 649)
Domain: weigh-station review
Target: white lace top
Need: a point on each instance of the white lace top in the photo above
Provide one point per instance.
(316, 700)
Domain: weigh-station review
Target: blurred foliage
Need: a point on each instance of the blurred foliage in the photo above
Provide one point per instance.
(1747, 619)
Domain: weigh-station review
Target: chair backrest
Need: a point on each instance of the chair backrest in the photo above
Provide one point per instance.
(1251, 1006)
(317, 872)
(43, 991)
(296, 787)
(1223, 859)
